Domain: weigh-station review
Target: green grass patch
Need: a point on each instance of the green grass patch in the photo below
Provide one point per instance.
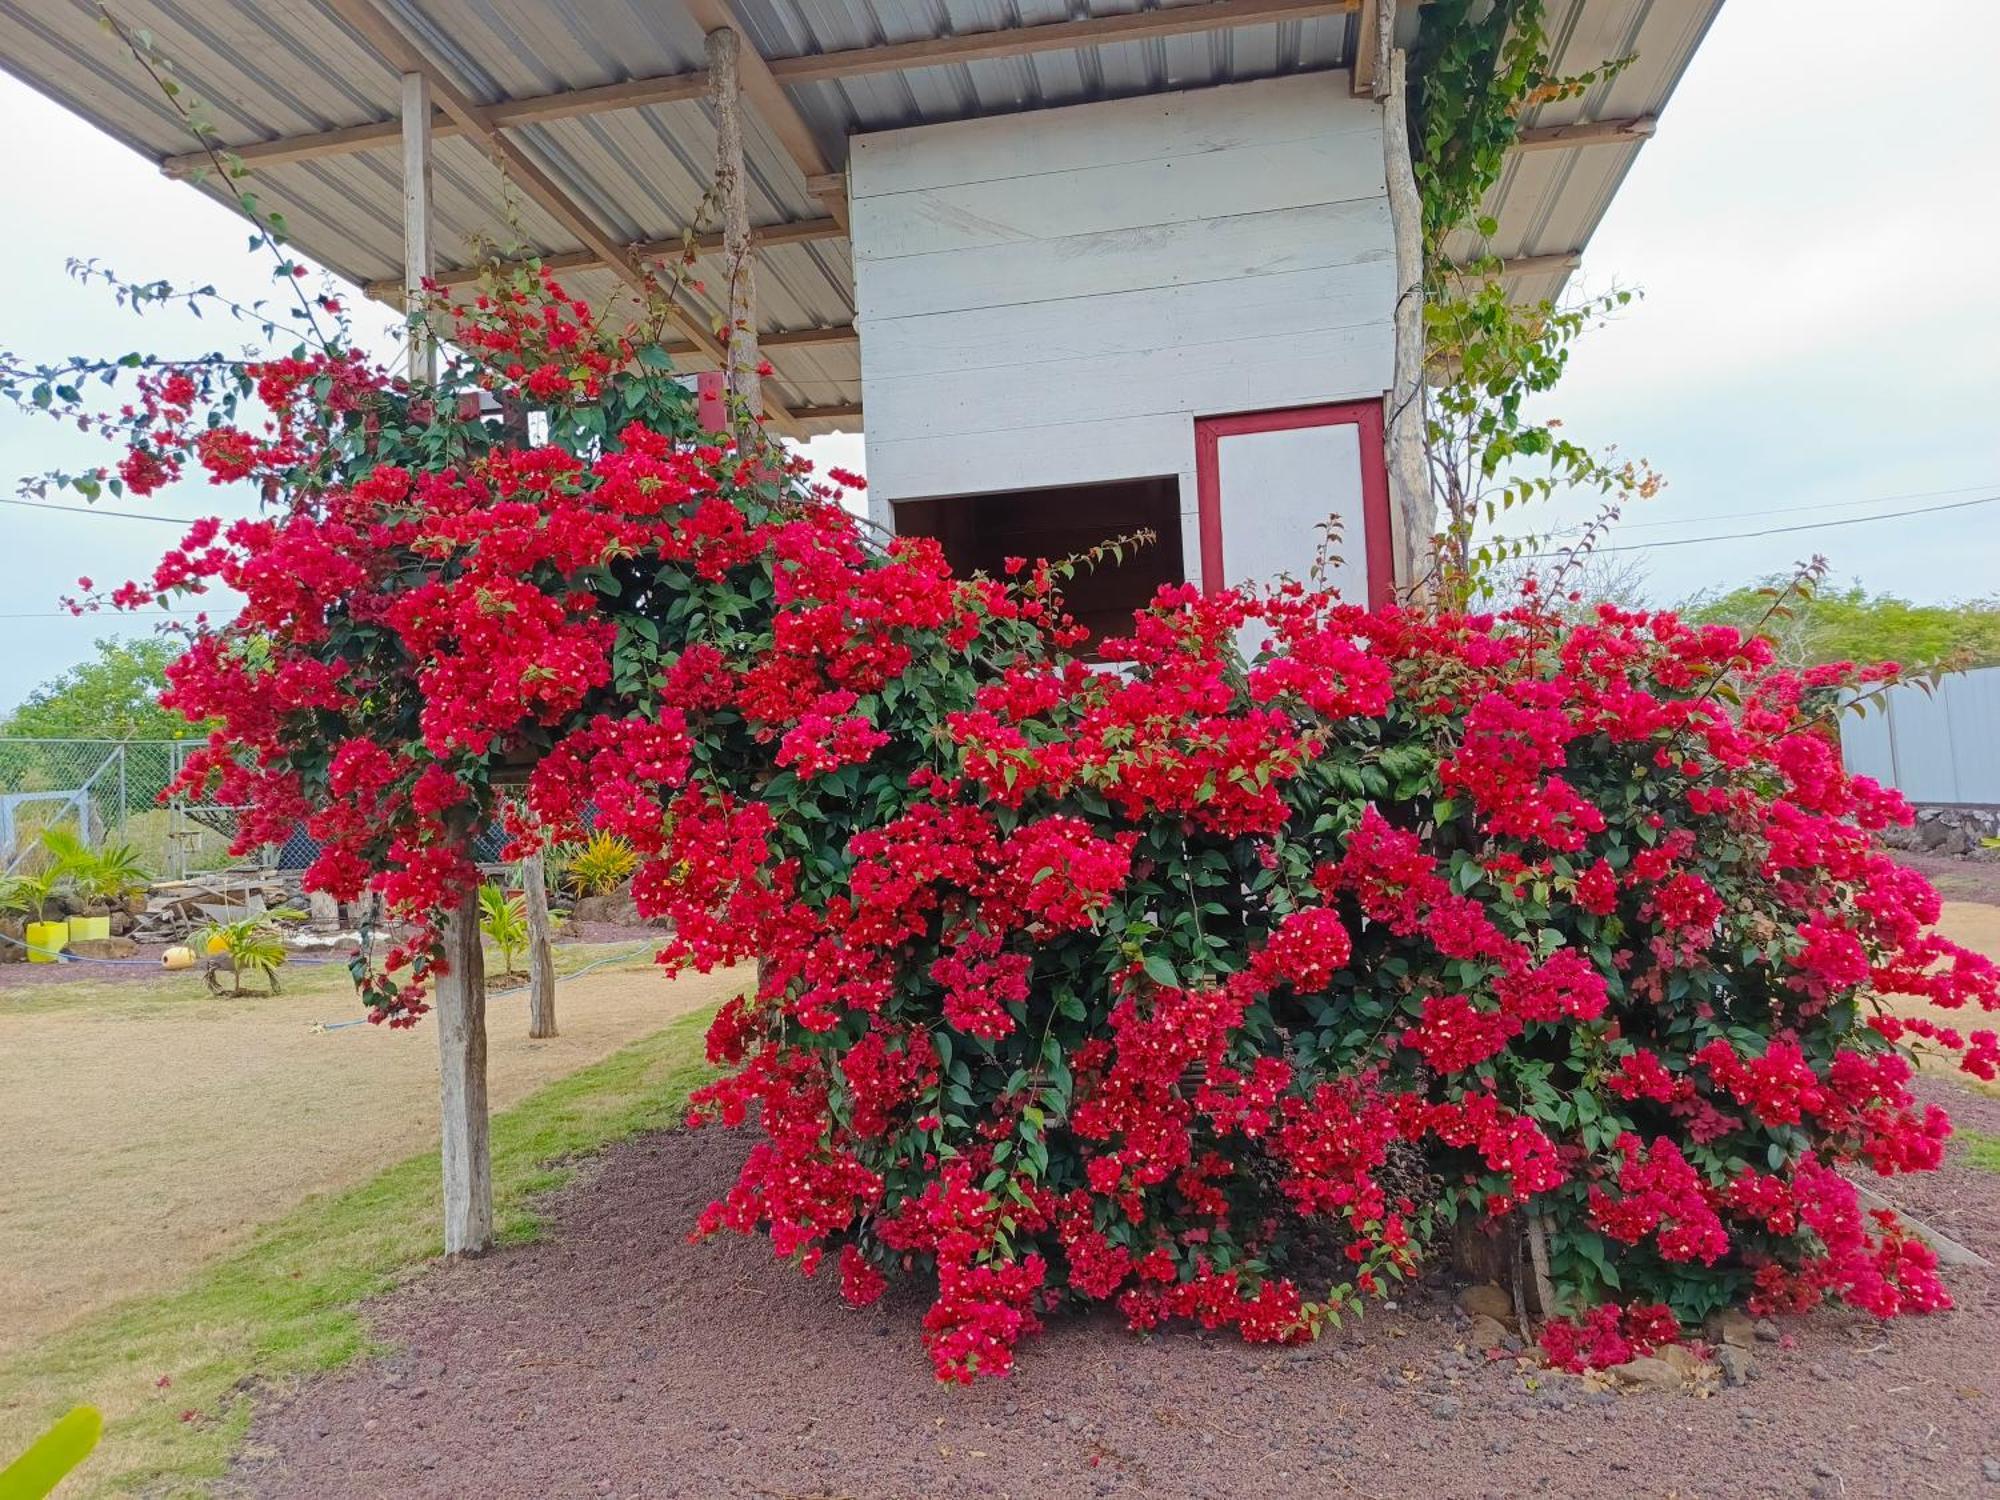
(289, 1304)
(1981, 1150)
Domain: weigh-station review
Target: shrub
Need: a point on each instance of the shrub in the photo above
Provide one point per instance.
(601, 865)
(1079, 986)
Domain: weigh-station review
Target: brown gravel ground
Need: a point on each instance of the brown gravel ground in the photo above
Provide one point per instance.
(614, 1358)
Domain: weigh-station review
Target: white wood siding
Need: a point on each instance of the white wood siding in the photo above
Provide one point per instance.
(1054, 297)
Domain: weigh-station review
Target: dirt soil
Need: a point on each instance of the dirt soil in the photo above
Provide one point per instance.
(151, 1127)
(614, 1358)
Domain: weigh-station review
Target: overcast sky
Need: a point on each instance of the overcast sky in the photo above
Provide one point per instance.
(1819, 339)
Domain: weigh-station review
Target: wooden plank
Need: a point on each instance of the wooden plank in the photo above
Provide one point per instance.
(417, 228)
(1246, 179)
(634, 93)
(1588, 133)
(1365, 77)
(810, 338)
(1252, 374)
(459, 1000)
(1132, 322)
(836, 411)
(762, 237)
(1059, 453)
(1210, 250)
(1021, 41)
(1149, 127)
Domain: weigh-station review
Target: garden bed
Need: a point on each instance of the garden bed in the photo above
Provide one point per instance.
(615, 1358)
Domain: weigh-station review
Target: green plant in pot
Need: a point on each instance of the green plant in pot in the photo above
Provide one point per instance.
(34, 895)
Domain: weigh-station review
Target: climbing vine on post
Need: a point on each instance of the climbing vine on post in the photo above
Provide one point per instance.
(1477, 69)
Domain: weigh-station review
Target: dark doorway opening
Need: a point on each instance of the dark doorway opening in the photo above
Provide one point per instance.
(980, 532)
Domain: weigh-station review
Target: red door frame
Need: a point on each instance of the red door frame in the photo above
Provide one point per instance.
(1377, 555)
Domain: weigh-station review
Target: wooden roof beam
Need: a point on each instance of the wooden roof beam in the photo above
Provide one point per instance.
(675, 88)
(636, 93)
(374, 25)
(1054, 36)
(1589, 133)
(762, 237)
(1362, 77)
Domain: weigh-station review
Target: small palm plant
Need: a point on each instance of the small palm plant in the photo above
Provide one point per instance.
(31, 894)
(503, 917)
(250, 945)
(111, 873)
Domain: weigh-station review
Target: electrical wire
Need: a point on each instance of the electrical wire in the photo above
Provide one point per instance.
(1737, 536)
(92, 510)
(1793, 510)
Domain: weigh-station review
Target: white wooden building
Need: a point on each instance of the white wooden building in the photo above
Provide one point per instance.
(1074, 267)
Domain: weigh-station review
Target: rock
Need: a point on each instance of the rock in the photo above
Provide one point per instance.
(1485, 1333)
(1765, 1331)
(1647, 1374)
(106, 947)
(1486, 1300)
(1738, 1367)
(1681, 1358)
(1990, 1467)
(1730, 1327)
(1444, 1408)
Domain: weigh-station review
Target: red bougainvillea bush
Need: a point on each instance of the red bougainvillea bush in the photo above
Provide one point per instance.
(1138, 986)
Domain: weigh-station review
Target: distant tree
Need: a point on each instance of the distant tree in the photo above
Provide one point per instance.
(114, 696)
(1851, 624)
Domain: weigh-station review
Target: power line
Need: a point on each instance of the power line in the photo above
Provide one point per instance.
(1792, 510)
(90, 614)
(91, 510)
(1737, 536)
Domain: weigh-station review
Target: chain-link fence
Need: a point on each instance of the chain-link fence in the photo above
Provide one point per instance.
(114, 791)
(109, 791)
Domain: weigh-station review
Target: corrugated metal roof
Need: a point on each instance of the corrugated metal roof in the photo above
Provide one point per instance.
(268, 69)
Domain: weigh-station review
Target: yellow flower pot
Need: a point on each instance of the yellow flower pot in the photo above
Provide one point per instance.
(84, 929)
(218, 945)
(46, 940)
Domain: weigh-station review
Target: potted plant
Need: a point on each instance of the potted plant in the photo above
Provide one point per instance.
(104, 877)
(32, 895)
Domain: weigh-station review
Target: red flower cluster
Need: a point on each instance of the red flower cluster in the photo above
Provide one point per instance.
(1079, 985)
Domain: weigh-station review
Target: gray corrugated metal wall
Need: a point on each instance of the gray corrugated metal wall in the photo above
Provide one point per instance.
(1941, 746)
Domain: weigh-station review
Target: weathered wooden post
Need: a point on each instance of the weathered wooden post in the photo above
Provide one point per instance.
(461, 1023)
(541, 960)
(460, 995)
(1411, 515)
(740, 356)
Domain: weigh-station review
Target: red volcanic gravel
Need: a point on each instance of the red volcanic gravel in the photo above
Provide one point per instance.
(614, 1358)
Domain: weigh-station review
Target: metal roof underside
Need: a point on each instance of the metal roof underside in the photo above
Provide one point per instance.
(267, 69)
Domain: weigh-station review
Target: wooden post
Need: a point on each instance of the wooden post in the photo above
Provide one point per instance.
(541, 961)
(1413, 518)
(740, 356)
(460, 995)
(417, 256)
(461, 1024)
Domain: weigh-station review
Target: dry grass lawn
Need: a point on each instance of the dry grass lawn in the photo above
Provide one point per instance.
(151, 1127)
